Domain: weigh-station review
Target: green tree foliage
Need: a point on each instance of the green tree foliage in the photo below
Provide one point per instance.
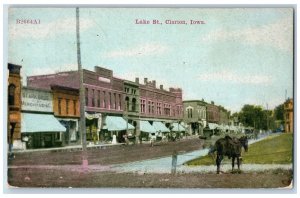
(279, 112)
(255, 116)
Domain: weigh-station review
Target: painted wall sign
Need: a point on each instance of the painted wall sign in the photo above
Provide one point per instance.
(37, 100)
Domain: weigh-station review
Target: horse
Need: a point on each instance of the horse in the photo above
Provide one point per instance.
(230, 147)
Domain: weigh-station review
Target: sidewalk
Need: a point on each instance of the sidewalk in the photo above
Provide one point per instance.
(68, 148)
(79, 147)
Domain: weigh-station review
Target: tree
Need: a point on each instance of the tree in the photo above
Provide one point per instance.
(254, 116)
(279, 112)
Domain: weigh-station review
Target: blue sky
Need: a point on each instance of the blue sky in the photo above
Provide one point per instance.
(239, 56)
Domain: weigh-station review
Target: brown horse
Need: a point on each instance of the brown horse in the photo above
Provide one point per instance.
(230, 147)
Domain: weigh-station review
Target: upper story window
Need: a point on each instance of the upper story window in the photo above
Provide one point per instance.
(74, 107)
(149, 107)
(93, 97)
(11, 94)
(133, 91)
(86, 96)
(67, 106)
(109, 106)
(133, 104)
(190, 113)
(127, 103)
(120, 102)
(104, 99)
(115, 103)
(143, 106)
(98, 99)
(59, 106)
(158, 108)
(152, 108)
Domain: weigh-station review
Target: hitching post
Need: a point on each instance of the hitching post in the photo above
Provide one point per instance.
(174, 162)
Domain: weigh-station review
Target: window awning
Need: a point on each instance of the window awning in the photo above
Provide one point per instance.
(145, 126)
(32, 123)
(114, 123)
(159, 126)
(212, 126)
(177, 127)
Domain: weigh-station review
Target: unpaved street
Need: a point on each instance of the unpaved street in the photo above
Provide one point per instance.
(62, 169)
(61, 178)
(109, 155)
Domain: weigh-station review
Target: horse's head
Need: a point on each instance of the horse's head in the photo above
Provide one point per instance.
(244, 142)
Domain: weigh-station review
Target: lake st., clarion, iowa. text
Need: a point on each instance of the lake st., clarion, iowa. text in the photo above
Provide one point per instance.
(168, 22)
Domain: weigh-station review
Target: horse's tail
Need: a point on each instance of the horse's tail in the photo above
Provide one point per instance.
(212, 149)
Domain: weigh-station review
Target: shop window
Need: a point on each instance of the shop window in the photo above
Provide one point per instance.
(11, 94)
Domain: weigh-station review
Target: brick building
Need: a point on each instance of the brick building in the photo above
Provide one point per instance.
(195, 115)
(224, 116)
(289, 116)
(14, 105)
(160, 103)
(39, 127)
(213, 113)
(104, 99)
(159, 107)
(132, 106)
(111, 101)
(66, 110)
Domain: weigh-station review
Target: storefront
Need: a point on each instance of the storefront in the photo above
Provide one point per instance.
(115, 129)
(178, 130)
(93, 126)
(147, 131)
(71, 136)
(39, 127)
(41, 130)
(162, 131)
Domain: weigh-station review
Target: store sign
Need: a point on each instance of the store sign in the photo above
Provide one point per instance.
(107, 80)
(36, 100)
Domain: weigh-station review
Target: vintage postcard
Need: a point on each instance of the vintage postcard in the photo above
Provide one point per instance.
(170, 97)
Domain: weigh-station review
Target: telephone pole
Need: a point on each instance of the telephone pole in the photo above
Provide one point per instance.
(82, 127)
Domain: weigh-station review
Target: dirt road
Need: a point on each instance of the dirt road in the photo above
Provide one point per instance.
(38, 171)
(60, 178)
(109, 155)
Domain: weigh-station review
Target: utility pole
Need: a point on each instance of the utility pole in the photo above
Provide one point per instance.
(82, 126)
(267, 117)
